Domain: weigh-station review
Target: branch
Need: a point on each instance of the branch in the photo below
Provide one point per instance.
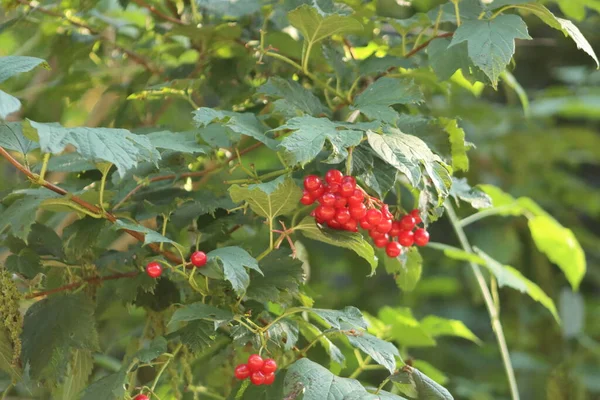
(88, 206)
(134, 56)
(158, 13)
(94, 280)
(422, 46)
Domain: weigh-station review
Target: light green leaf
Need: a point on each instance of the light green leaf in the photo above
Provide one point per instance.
(491, 43)
(571, 30)
(8, 104)
(278, 197)
(561, 247)
(424, 387)
(472, 195)
(406, 268)
(316, 27)
(77, 376)
(281, 280)
(376, 100)
(70, 319)
(431, 371)
(384, 353)
(509, 276)
(196, 311)
(293, 96)
(12, 138)
(576, 8)
(150, 236)
(438, 326)
(240, 123)
(110, 387)
(310, 134)
(22, 210)
(341, 318)
(349, 240)
(458, 146)
(232, 261)
(117, 146)
(403, 327)
(13, 65)
(185, 142)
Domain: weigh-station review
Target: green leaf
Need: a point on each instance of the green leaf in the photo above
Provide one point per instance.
(431, 371)
(409, 154)
(404, 328)
(230, 8)
(444, 61)
(80, 369)
(197, 335)
(117, 146)
(458, 146)
(469, 10)
(311, 333)
(310, 134)
(561, 247)
(407, 268)
(339, 319)
(110, 387)
(13, 65)
(185, 142)
(200, 311)
(285, 333)
(509, 276)
(293, 97)
(26, 263)
(576, 8)
(438, 326)
(571, 306)
(569, 29)
(316, 27)
(375, 100)
(491, 43)
(382, 352)
(150, 236)
(424, 387)
(6, 355)
(281, 280)
(472, 195)
(240, 123)
(278, 197)
(157, 347)
(232, 261)
(81, 237)
(317, 383)
(22, 210)
(349, 240)
(8, 104)
(70, 318)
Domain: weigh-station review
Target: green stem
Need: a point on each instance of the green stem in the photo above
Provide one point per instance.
(306, 58)
(456, 11)
(483, 214)
(164, 229)
(361, 367)
(500, 11)
(489, 302)
(380, 388)
(288, 312)
(44, 167)
(164, 367)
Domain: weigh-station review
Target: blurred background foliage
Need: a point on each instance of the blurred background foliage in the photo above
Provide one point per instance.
(135, 70)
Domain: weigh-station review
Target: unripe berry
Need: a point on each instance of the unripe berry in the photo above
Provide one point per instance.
(269, 366)
(406, 238)
(198, 259)
(255, 362)
(333, 176)
(269, 378)
(312, 183)
(154, 270)
(393, 249)
(421, 237)
(408, 222)
(257, 378)
(242, 371)
(373, 216)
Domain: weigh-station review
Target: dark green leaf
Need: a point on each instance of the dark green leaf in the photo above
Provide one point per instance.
(376, 100)
(80, 369)
(26, 263)
(197, 335)
(22, 211)
(111, 387)
(157, 347)
(281, 279)
(184, 142)
(200, 311)
(294, 98)
(233, 260)
(312, 333)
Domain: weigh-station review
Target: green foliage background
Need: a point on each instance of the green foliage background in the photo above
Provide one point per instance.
(536, 135)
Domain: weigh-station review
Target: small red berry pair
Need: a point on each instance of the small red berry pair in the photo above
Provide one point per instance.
(260, 372)
(141, 397)
(198, 259)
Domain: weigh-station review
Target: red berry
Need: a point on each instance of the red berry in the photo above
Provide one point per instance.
(373, 216)
(340, 201)
(198, 259)
(421, 237)
(328, 199)
(242, 371)
(347, 189)
(270, 365)
(396, 229)
(255, 362)
(349, 179)
(269, 378)
(408, 222)
(351, 226)
(333, 224)
(365, 224)
(333, 187)
(307, 198)
(381, 241)
(312, 183)
(333, 176)
(318, 192)
(356, 198)
(154, 270)
(325, 213)
(358, 211)
(141, 397)
(416, 215)
(375, 234)
(393, 249)
(343, 215)
(385, 211)
(384, 226)
(257, 378)
(406, 238)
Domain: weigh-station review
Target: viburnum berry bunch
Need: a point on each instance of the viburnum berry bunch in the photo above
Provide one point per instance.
(260, 372)
(141, 397)
(344, 205)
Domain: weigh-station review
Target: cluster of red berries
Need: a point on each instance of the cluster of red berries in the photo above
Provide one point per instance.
(343, 205)
(197, 259)
(141, 397)
(260, 372)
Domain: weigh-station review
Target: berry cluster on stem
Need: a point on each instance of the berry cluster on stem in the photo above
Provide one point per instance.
(260, 372)
(343, 205)
(198, 259)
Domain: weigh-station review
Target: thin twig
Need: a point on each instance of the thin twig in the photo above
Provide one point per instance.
(422, 46)
(94, 280)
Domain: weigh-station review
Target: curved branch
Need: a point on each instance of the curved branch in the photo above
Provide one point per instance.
(94, 280)
(422, 46)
